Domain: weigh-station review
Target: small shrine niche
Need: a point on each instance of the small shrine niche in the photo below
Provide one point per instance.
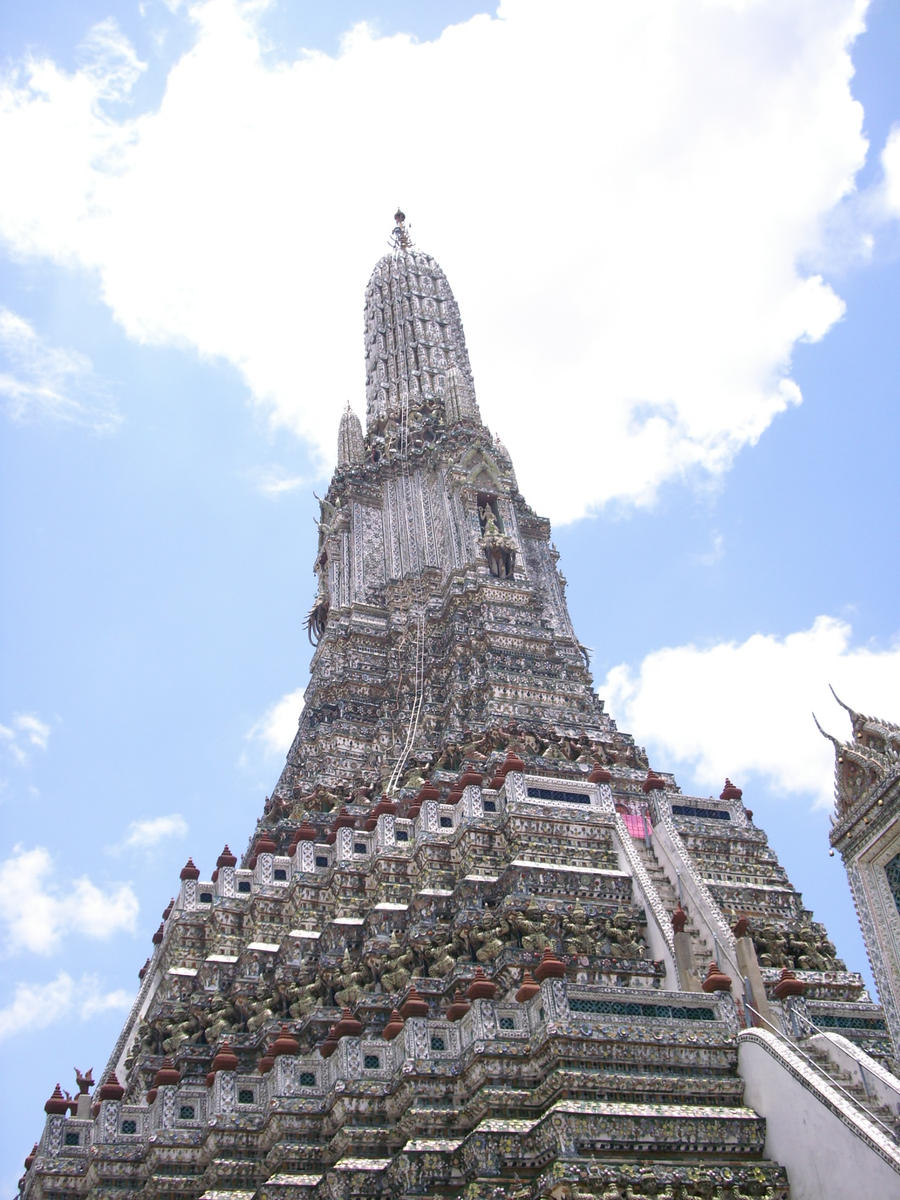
(499, 550)
(489, 514)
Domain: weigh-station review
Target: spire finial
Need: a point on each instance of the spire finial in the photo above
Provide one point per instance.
(400, 237)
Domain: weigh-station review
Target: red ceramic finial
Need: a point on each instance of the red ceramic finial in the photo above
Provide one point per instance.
(458, 1007)
(530, 987)
(414, 1005)
(329, 1046)
(57, 1105)
(189, 871)
(716, 980)
(788, 985)
(599, 774)
(730, 792)
(481, 988)
(285, 1043)
(348, 1025)
(111, 1089)
(550, 967)
(393, 1027)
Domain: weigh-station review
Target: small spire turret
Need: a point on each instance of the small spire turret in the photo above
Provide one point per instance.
(351, 449)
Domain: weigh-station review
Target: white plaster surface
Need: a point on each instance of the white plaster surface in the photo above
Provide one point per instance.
(830, 1151)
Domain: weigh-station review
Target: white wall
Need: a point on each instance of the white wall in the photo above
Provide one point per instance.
(830, 1151)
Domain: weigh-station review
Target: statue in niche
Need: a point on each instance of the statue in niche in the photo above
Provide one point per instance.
(499, 550)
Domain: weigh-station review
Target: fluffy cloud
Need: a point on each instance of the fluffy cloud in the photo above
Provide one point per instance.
(26, 732)
(42, 381)
(275, 729)
(736, 708)
(37, 1005)
(37, 907)
(623, 196)
(890, 163)
(276, 481)
(142, 835)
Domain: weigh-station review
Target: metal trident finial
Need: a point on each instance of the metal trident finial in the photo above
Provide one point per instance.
(400, 237)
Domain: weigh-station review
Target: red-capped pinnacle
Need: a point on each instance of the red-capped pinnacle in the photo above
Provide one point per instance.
(393, 1027)
(458, 1007)
(512, 762)
(730, 792)
(348, 1026)
(414, 1005)
(470, 778)
(29, 1159)
(168, 909)
(481, 988)
(428, 791)
(189, 871)
(653, 783)
(330, 1044)
(599, 774)
(111, 1089)
(306, 833)
(226, 858)
(788, 985)
(679, 919)
(716, 980)
(158, 936)
(57, 1105)
(550, 967)
(741, 927)
(530, 987)
(285, 1043)
(168, 1074)
(225, 1059)
(265, 844)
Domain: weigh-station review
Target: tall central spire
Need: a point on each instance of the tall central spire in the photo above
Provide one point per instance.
(439, 611)
(415, 346)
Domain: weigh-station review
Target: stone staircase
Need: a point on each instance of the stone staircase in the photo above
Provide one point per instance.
(853, 1084)
(702, 953)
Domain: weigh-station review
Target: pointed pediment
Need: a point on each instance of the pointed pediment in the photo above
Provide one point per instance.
(480, 470)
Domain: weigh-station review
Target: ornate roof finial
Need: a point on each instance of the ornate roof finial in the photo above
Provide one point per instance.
(400, 236)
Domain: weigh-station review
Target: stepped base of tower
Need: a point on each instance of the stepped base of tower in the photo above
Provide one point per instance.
(478, 995)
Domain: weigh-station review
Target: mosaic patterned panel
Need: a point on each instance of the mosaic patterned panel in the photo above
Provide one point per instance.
(892, 870)
(628, 1008)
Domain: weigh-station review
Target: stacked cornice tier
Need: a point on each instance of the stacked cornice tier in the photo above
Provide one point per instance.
(475, 947)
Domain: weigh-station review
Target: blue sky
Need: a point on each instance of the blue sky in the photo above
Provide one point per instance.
(673, 233)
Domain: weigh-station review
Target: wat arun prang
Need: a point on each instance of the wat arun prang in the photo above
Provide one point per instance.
(476, 947)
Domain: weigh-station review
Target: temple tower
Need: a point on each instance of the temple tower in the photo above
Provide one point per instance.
(475, 946)
(866, 832)
(439, 609)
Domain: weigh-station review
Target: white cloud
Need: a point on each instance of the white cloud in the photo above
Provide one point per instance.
(142, 835)
(38, 906)
(38, 1005)
(276, 481)
(623, 197)
(42, 381)
(26, 731)
(890, 163)
(735, 708)
(275, 729)
(715, 553)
